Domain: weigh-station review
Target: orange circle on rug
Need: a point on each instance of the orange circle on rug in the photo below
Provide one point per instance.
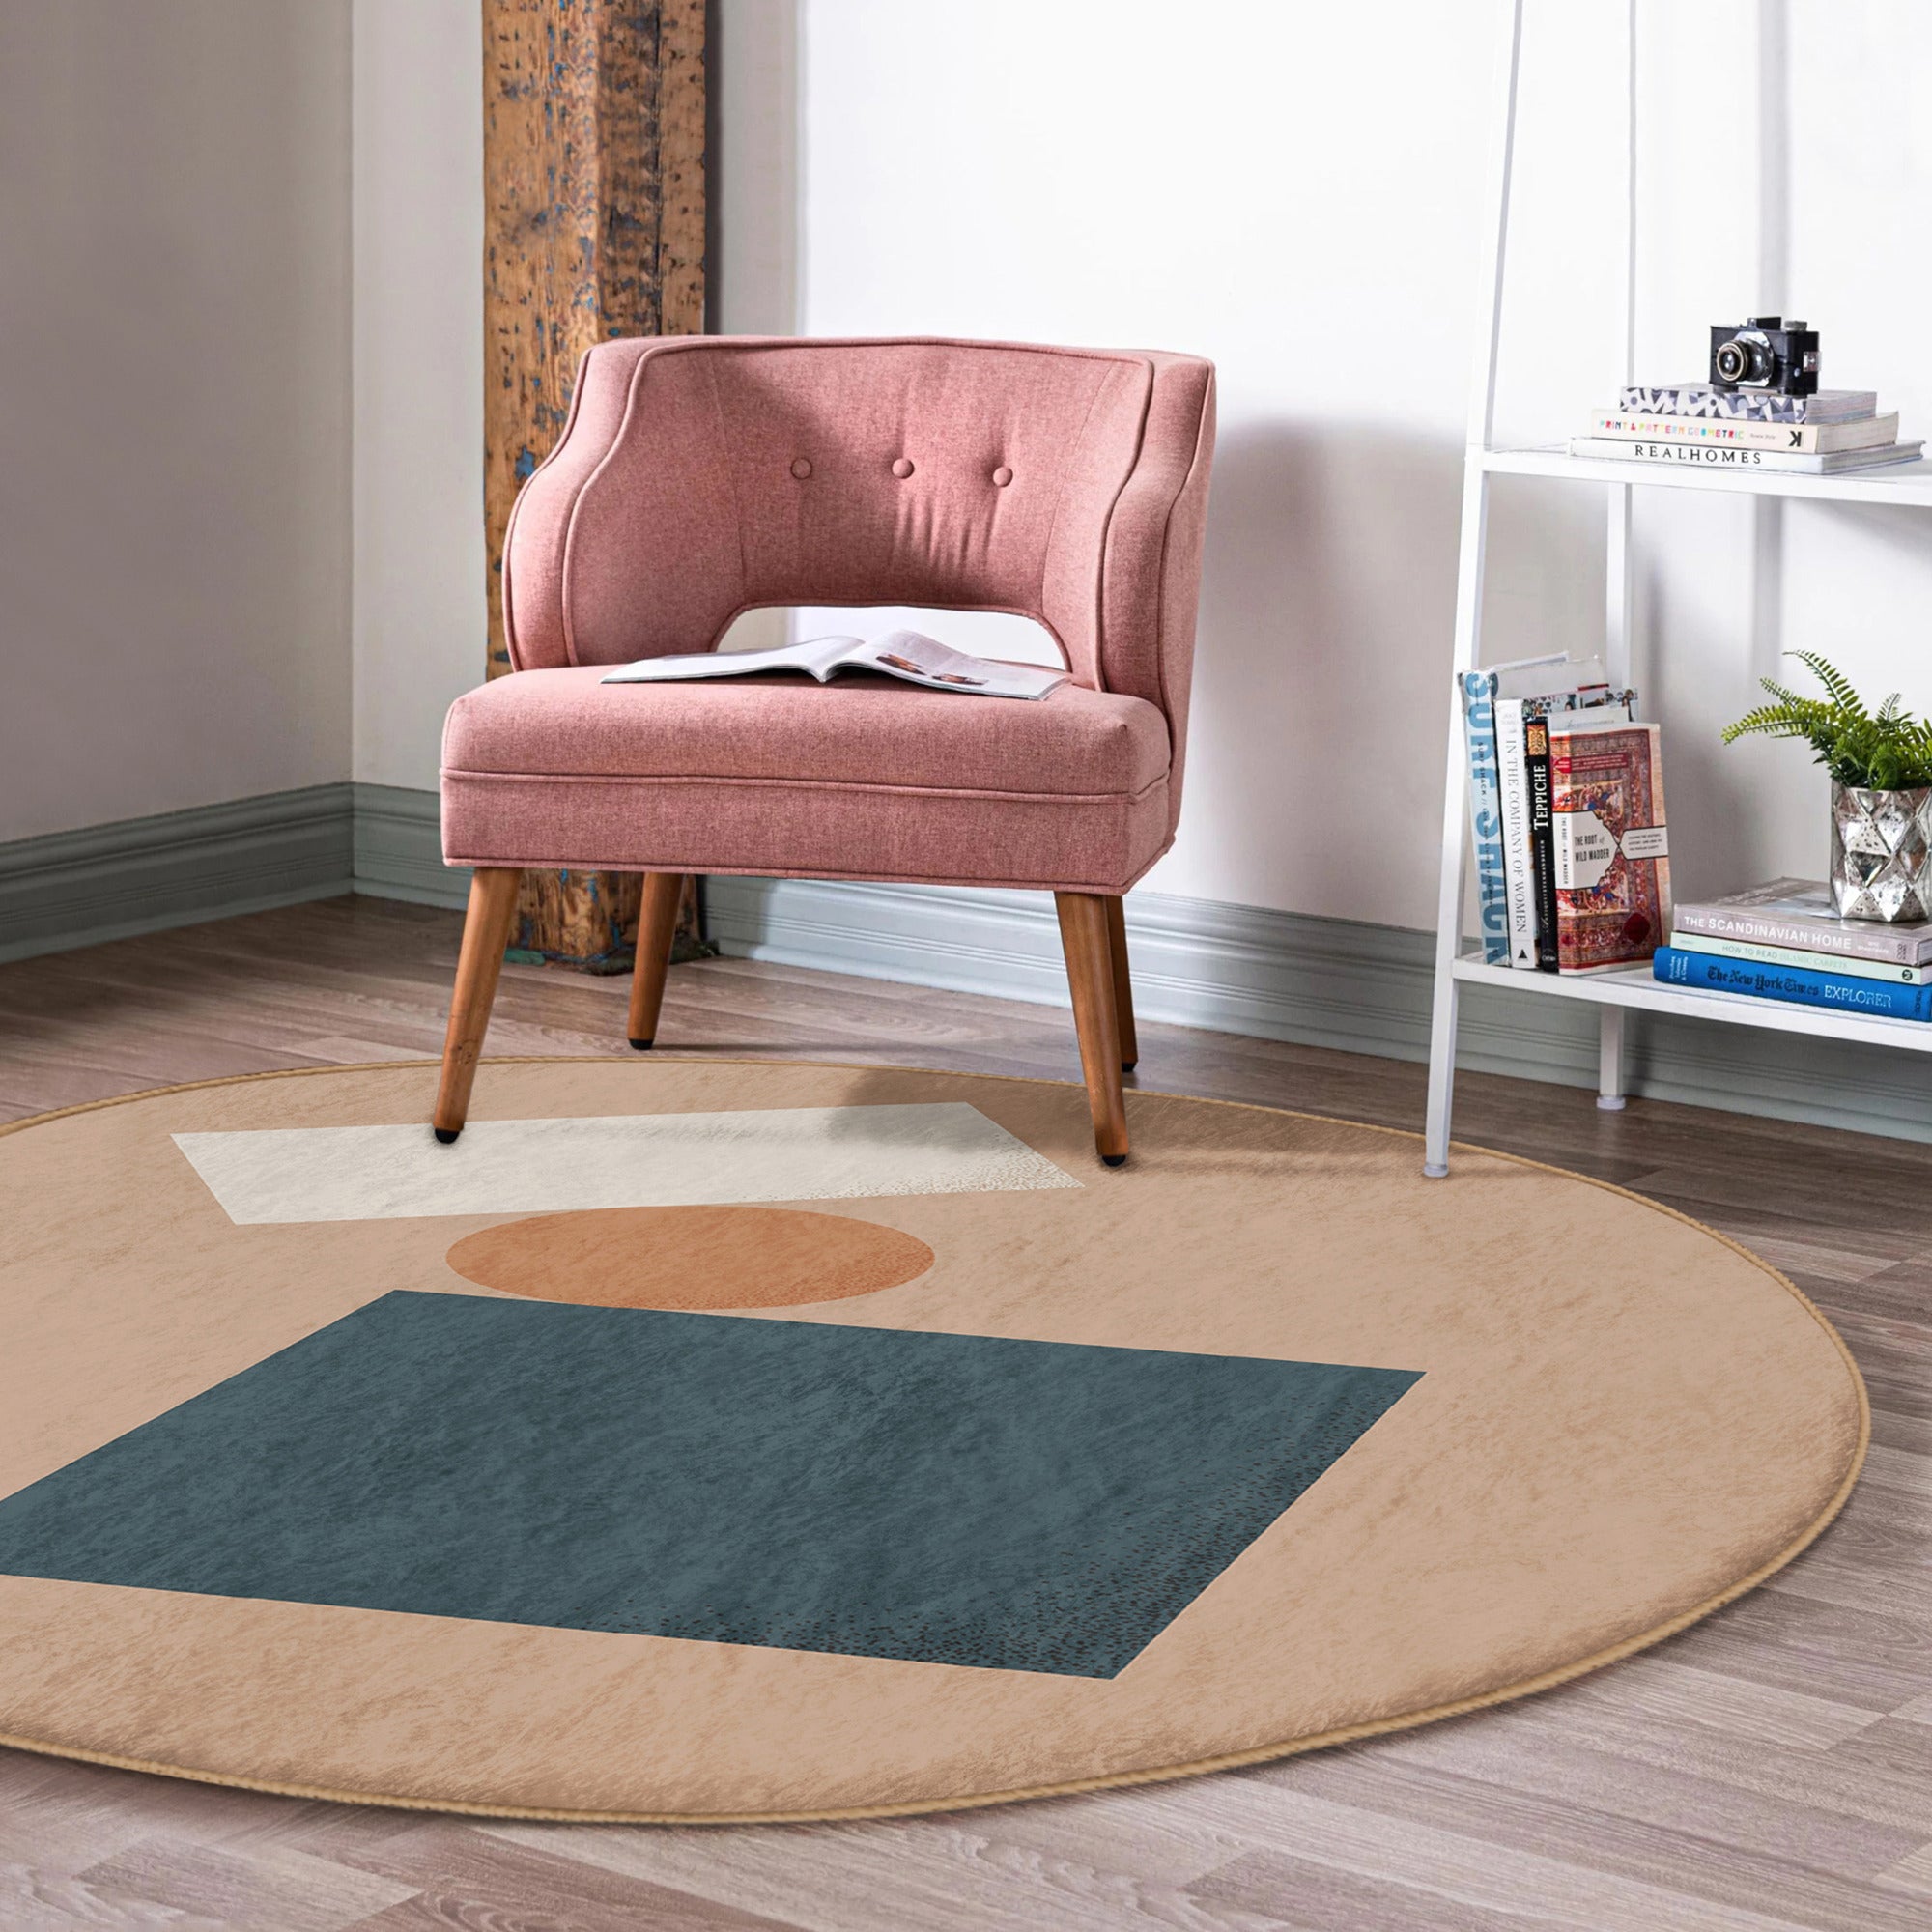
(710, 1256)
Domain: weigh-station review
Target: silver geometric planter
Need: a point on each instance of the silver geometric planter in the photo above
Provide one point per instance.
(1881, 853)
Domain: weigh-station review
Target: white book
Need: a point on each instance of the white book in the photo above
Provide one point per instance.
(1726, 456)
(910, 655)
(1716, 432)
(1791, 955)
(1513, 776)
(1550, 676)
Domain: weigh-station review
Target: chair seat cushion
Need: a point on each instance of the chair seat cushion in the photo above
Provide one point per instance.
(865, 778)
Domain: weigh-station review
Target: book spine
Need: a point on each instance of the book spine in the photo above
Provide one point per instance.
(1486, 822)
(1513, 779)
(1726, 456)
(1840, 992)
(1791, 955)
(1718, 432)
(1542, 852)
(1869, 940)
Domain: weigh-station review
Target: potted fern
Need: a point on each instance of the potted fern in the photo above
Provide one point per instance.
(1881, 766)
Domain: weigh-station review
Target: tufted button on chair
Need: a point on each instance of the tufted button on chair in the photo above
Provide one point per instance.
(699, 477)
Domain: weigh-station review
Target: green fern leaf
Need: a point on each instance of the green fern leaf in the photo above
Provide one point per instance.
(1835, 682)
(1768, 720)
(1891, 751)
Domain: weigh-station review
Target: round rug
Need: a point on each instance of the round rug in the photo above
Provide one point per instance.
(705, 1441)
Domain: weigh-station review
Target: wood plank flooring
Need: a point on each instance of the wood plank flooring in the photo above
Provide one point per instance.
(1771, 1768)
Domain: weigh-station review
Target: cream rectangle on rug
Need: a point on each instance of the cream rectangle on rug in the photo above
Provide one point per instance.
(620, 1160)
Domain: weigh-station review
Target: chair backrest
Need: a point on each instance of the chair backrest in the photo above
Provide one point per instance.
(701, 476)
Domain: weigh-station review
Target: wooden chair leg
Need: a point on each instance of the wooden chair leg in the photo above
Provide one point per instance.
(1089, 973)
(657, 928)
(486, 931)
(1124, 987)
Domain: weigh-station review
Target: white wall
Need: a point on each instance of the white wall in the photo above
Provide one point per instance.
(1292, 190)
(753, 155)
(1295, 189)
(174, 310)
(752, 253)
(420, 617)
(420, 623)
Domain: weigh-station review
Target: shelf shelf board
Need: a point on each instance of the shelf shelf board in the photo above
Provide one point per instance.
(1908, 484)
(1634, 986)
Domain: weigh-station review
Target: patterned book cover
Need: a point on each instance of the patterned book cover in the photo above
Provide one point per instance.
(1611, 848)
(1701, 399)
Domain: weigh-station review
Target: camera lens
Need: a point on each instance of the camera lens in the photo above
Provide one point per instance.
(1741, 361)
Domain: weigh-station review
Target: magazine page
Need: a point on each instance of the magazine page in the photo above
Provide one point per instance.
(908, 655)
(922, 660)
(820, 656)
(1547, 677)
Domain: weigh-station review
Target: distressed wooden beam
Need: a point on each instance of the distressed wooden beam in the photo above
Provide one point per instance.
(594, 196)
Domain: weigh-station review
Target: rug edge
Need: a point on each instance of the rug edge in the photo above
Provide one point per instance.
(1268, 1754)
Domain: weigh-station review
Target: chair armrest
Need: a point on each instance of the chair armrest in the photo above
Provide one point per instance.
(1151, 575)
(534, 542)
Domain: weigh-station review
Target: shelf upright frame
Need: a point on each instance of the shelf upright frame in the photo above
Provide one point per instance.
(1477, 471)
(1618, 567)
(1472, 558)
(1904, 484)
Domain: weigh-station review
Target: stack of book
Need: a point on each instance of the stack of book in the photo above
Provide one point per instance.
(1566, 805)
(1748, 429)
(1783, 941)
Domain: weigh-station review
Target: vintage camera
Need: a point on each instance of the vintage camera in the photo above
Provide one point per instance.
(1766, 352)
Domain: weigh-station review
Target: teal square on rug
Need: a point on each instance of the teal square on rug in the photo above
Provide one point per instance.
(953, 1499)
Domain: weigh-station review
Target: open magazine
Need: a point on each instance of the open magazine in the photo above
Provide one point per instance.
(907, 654)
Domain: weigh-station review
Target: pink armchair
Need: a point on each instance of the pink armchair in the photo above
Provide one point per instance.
(702, 477)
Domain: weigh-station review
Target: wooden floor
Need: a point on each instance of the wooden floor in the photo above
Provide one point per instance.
(1771, 1767)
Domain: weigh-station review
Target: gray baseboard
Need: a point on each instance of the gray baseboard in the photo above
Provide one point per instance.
(138, 875)
(398, 848)
(1318, 981)
(1232, 969)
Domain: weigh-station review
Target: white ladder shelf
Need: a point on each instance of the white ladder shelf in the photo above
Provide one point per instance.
(1615, 992)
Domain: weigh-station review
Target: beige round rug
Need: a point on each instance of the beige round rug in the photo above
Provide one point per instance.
(702, 1440)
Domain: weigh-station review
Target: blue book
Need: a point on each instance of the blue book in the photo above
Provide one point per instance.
(1802, 985)
(1486, 813)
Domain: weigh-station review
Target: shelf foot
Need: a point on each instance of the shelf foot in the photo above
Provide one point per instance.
(1610, 1059)
(1433, 1170)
